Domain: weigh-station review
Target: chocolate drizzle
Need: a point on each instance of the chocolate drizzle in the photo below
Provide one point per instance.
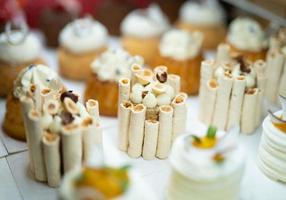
(69, 94)
(66, 117)
(162, 77)
(242, 64)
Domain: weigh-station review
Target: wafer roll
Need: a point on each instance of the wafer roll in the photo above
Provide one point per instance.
(248, 115)
(92, 108)
(123, 122)
(124, 90)
(37, 98)
(222, 101)
(136, 130)
(175, 82)
(160, 69)
(275, 61)
(282, 87)
(207, 109)
(260, 67)
(165, 131)
(47, 94)
(236, 101)
(150, 139)
(134, 70)
(223, 53)
(71, 147)
(92, 136)
(51, 149)
(179, 105)
(51, 106)
(35, 139)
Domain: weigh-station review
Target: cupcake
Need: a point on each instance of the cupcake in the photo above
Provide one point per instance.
(62, 133)
(205, 167)
(207, 17)
(231, 91)
(141, 31)
(18, 49)
(80, 42)
(272, 148)
(107, 70)
(181, 52)
(152, 113)
(276, 67)
(28, 78)
(246, 37)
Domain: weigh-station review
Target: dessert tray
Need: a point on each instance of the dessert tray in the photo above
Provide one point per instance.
(15, 182)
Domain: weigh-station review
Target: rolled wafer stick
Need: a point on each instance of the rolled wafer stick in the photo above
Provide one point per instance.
(260, 67)
(71, 106)
(258, 108)
(175, 82)
(236, 101)
(150, 139)
(207, 109)
(27, 105)
(136, 130)
(71, 146)
(165, 131)
(124, 120)
(179, 105)
(47, 94)
(160, 68)
(93, 108)
(282, 87)
(275, 61)
(34, 130)
(92, 136)
(248, 120)
(124, 90)
(222, 101)
(51, 149)
(37, 98)
(223, 53)
(135, 68)
(51, 106)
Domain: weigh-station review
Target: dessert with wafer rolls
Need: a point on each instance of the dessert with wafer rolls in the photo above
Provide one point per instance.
(152, 112)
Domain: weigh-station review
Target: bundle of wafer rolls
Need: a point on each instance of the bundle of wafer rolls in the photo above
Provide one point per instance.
(276, 67)
(152, 112)
(61, 132)
(231, 91)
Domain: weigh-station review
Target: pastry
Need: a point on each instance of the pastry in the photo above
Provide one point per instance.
(18, 49)
(276, 66)
(207, 17)
(231, 91)
(40, 75)
(152, 113)
(272, 148)
(61, 132)
(206, 167)
(107, 69)
(141, 31)
(181, 52)
(246, 37)
(81, 41)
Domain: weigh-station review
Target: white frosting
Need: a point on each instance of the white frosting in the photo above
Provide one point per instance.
(205, 14)
(272, 150)
(246, 34)
(149, 22)
(26, 51)
(114, 64)
(39, 75)
(180, 45)
(83, 35)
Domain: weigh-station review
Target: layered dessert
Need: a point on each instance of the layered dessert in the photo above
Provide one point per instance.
(276, 66)
(207, 17)
(181, 52)
(152, 112)
(141, 30)
(18, 48)
(61, 132)
(39, 75)
(107, 70)
(81, 41)
(231, 91)
(206, 167)
(247, 38)
(272, 148)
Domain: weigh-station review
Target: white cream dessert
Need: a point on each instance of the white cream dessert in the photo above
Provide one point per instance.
(180, 45)
(114, 64)
(276, 66)
(152, 108)
(231, 91)
(205, 168)
(246, 34)
(272, 148)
